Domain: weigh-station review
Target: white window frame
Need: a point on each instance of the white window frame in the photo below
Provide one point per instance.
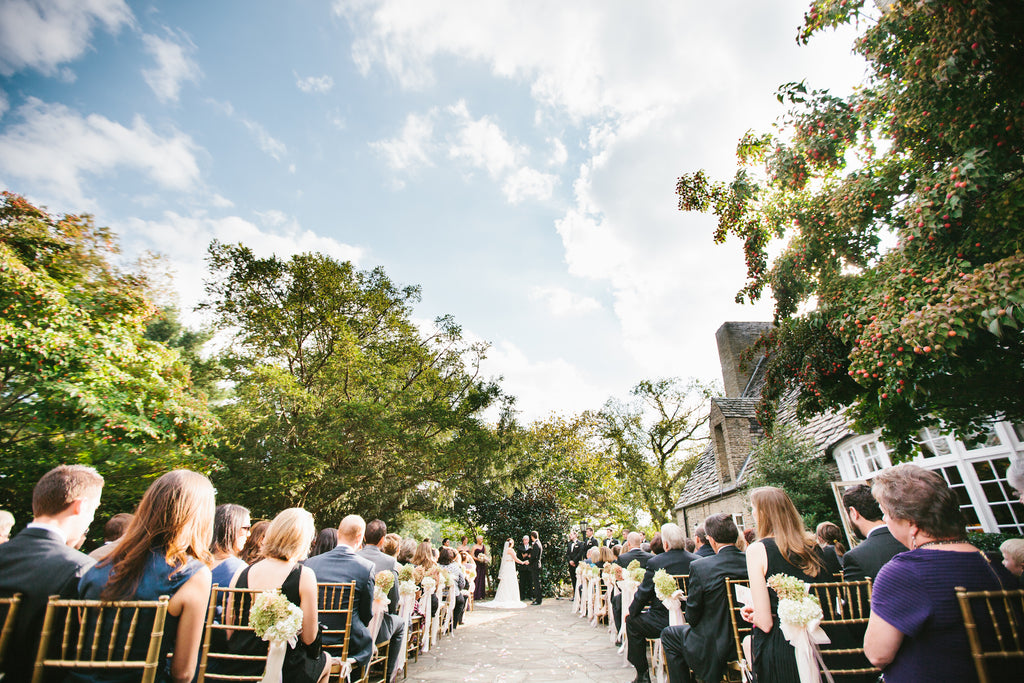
(852, 460)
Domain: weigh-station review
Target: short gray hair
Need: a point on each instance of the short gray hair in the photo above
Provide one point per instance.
(673, 537)
(1015, 476)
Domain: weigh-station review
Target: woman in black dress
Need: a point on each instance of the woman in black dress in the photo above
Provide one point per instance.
(480, 557)
(784, 547)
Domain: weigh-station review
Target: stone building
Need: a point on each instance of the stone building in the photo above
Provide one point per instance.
(718, 482)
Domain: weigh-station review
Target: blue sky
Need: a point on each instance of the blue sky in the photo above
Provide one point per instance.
(516, 159)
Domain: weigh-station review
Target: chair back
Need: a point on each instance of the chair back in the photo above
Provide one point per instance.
(99, 635)
(845, 606)
(336, 599)
(683, 580)
(995, 630)
(8, 613)
(228, 615)
(740, 628)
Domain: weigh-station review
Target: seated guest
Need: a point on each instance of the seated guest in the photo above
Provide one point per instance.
(830, 540)
(704, 643)
(113, 530)
(284, 547)
(406, 550)
(342, 565)
(449, 563)
(642, 625)
(916, 632)
(389, 546)
(165, 551)
(632, 551)
(230, 532)
(878, 545)
(691, 545)
(657, 547)
(616, 551)
(252, 551)
(41, 561)
(700, 542)
(326, 541)
(605, 555)
(424, 559)
(6, 524)
(1013, 557)
(391, 625)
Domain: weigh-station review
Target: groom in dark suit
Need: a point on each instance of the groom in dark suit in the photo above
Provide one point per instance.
(878, 546)
(536, 550)
(704, 643)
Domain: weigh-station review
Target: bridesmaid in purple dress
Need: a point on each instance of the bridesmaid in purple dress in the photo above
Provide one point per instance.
(480, 557)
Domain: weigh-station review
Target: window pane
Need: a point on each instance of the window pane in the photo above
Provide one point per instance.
(952, 475)
(984, 471)
(992, 436)
(1018, 429)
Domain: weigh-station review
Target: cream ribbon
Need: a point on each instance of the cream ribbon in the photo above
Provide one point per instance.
(427, 609)
(628, 588)
(406, 603)
(275, 659)
(613, 633)
(805, 640)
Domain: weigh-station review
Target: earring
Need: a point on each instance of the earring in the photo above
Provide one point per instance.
(913, 541)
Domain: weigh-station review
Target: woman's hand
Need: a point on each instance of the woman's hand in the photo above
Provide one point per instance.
(747, 613)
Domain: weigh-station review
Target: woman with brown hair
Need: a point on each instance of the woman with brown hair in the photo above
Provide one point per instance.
(830, 538)
(253, 545)
(165, 551)
(286, 544)
(783, 547)
(916, 630)
(424, 559)
(231, 526)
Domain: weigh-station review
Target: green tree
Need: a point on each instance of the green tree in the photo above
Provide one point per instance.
(900, 288)
(653, 442)
(205, 370)
(341, 404)
(79, 382)
(786, 461)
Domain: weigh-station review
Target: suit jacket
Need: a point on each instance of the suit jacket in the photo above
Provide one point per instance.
(833, 563)
(674, 562)
(342, 565)
(635, 554)
(573, 551)
(866, 559)
(37, 564)
(705, 551)
(709, 644)
(383, 562)
(536, 550)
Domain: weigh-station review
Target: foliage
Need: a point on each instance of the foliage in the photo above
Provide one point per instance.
(529, 509)
(786, 461)
(653, 442)
(79, 380)
(204, 371)
(341, 403)
(988, 542)
(900, 290)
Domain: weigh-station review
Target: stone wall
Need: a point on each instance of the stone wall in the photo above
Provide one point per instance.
(733, 339)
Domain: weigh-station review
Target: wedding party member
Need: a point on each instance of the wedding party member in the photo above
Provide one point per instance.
(642, 625)
(574, 549)
(1013, 557)
(704, 643)
(479, 553)
(536, 551)
(449, 562)
(252, 551)
(113, 530)
(507, 595)
(590, 541)
(391, 625)
(6, 524)
(523, 566)
(916, 631)
(165, 551)
(231, 526)
(700, 542)
(784, 547)
(326, 541)
(40, 560)
(342, 565)
(878, 546)
(286, 544)
(463, 546)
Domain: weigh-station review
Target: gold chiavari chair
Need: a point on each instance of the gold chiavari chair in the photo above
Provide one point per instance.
(228, 614)
(994, 621)
(9, 612)
(336, 599)
(738, 669)
(845, 606)
(99, 635)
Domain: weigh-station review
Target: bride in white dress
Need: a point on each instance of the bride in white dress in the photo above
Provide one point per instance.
(507, 595)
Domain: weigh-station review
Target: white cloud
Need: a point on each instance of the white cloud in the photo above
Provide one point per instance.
(5, 104)
(221, 202)
(269, 144)
(183, 240)
(527, 183)
(58, 148)
(315, 84)
(559, 155)
(412, 147)
(560, 302)
(481, 142)
(174, 65)
(42, 34)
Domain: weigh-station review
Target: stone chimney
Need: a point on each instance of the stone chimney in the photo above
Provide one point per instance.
(733, 339)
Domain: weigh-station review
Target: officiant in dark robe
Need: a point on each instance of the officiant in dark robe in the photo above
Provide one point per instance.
(523, 566)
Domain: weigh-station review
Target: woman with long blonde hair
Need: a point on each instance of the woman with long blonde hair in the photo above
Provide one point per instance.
(784, 546)
(165, 551)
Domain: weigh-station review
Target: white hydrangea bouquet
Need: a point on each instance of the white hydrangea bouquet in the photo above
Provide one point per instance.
(800, 618)
(667, 590)
(276, 620)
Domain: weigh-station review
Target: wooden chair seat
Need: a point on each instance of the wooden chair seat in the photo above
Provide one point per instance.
(97, 635)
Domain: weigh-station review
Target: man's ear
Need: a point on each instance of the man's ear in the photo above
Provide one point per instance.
(853, 514)
(76, 506)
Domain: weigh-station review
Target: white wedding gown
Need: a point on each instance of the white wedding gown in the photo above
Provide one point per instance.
(507, 595)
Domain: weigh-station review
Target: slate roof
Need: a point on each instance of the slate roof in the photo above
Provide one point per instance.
(737, 407)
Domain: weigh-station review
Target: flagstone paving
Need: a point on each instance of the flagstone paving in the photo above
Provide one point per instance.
(540, 644)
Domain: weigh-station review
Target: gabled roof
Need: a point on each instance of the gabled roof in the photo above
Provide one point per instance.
(737, 407)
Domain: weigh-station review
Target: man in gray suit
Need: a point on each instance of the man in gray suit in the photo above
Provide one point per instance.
(42, 561)
(392, 626)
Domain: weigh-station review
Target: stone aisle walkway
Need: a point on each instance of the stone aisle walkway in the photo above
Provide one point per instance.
(545, 644)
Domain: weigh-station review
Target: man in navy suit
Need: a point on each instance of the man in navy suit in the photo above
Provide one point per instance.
(42, 561)
(642, 625)
(700, 538)
(878, 546)
(632, 551)
(342, 565)
(704, 643)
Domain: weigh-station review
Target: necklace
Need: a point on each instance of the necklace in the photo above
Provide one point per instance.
(945, 541)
